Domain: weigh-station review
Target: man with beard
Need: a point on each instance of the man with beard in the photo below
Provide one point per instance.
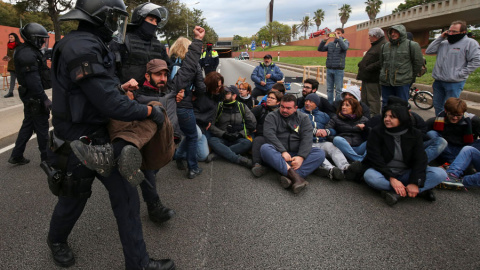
(209, 60)
(311, 86)
(457, 57)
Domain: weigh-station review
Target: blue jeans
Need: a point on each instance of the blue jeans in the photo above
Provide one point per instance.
(355, 153)
(468, 155)
(434, 147)
(376, 180)
(274, 159)
(402, 92)
(334, 81)
(186, 120)
(229, 150)
(444, 90)
(202, 147)
(451, 151)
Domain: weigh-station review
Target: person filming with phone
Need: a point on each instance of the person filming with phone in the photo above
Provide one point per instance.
(336, 52)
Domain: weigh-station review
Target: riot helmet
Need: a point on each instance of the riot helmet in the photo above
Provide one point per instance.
(142, 11)
(35, 34)
(110, 16)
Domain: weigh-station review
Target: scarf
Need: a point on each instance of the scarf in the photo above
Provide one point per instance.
(148, 84)
(348, 116)
(247, 97)
(439, 125)
(12, 45)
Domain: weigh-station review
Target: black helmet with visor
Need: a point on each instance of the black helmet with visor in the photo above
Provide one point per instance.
(35, 34)
(149, 9)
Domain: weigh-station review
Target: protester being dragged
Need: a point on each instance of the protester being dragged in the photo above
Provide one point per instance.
(289, 145)
(353, 91)
(260, 112)
(232, 129)
(319, 120)
(245, 96)
(349, 126)
(397, 161)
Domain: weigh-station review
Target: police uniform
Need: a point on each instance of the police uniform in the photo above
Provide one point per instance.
(209, 60)
(31, 67)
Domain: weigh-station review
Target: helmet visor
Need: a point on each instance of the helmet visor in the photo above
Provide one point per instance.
(155, 10)
(117, 21)
(41, 42)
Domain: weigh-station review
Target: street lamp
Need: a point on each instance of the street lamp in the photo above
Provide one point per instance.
(336, 14)
(187, 13)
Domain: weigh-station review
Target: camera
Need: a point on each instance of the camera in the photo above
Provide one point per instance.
(332, 34)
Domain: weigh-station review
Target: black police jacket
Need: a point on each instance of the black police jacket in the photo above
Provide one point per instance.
(29, 63)
(85, 88)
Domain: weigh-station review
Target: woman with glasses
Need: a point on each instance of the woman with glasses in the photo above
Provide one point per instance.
(397, 160)
(260, 112)
(245, 96)
(456, 126)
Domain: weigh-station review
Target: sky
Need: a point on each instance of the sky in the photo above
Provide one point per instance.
(246, 17)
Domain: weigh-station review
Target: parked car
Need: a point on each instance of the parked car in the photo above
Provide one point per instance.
(244, 56)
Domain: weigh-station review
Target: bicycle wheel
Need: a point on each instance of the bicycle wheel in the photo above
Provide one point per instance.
(423, 100)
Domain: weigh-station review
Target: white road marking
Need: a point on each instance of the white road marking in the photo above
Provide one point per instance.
(6, 148)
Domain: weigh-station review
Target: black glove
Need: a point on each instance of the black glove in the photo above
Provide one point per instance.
(231, 137)
(48, 104)
(157, 116)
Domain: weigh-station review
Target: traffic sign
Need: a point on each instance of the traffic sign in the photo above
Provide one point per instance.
(263, 42)
(253, 47)
(253, 43)
(263, 45)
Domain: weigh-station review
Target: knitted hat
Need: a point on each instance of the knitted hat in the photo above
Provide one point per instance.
(313, 98)
(354, 90)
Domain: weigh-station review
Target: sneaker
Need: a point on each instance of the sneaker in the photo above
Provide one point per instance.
(259, 170)
(336, 174)
(18, 160)
(453, 181)
(194, 172)
(129, 163)
(98, 158)
(246, 162)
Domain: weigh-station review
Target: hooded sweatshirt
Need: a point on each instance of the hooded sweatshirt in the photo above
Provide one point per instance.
(400, 59)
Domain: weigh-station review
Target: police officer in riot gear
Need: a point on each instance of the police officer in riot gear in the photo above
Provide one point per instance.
(141, 45)
(86, 94)
(33, 78)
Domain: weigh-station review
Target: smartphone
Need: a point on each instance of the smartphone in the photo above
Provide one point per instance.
(332, 35)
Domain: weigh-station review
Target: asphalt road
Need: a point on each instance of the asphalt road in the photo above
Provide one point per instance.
(227, 219)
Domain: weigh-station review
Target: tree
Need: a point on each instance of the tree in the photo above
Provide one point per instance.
(305, 25)
(51, 7)
(373, 8)
(344, 14)
(411, 3)
(294, 30)
(318, 17)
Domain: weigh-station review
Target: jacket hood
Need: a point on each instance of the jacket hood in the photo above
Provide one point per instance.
(354, 90)
(401, 29)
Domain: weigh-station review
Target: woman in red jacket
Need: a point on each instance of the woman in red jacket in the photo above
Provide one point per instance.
(13, 42)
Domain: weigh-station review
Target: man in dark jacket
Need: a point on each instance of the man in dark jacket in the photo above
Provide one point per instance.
(233, 125)
(337, 51)
(289, 145)
(311, 86)
(369, 71)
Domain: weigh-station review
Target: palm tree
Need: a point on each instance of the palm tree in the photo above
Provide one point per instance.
(294, 30)
(373, 8)
(305, 25)
(344, 14)
(318, 17)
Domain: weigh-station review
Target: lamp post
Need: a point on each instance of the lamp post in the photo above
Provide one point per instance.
(187, 13)
(336, 14)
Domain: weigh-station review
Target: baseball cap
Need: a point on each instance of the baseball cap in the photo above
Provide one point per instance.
(232, 89)
(156, 65)
(267, 56)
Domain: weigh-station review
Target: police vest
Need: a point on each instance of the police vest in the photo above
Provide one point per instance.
(140, 52)
(23, 64)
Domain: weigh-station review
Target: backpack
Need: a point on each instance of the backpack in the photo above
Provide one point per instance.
(175, 67)
(423, 70)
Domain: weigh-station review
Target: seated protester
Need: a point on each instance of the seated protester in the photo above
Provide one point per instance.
(276, 87)
(456, 126)
(246, 95)
(232, 128)
(455, 172)
(353, 91)
(265, 75)
(289, 145)
(311, 86)
(433, 147)
(260, 112)
(204, 108)
(349, 126)
(397, 161)
(319, 120)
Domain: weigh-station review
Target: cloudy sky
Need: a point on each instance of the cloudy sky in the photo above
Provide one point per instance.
(246, 17)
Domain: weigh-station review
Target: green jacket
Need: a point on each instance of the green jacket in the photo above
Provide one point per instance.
(400, 59)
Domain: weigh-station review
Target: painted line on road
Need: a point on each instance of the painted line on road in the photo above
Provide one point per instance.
(11, 107)
(6, 148)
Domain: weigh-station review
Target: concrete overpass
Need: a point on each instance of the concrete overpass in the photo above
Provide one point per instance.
(422, 18)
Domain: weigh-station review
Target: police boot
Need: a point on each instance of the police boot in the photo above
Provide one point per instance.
(298, 183)
(165, 264)
(18, 160)
(98, 158)
(62, 254)
(129, 163)
(158, 213)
